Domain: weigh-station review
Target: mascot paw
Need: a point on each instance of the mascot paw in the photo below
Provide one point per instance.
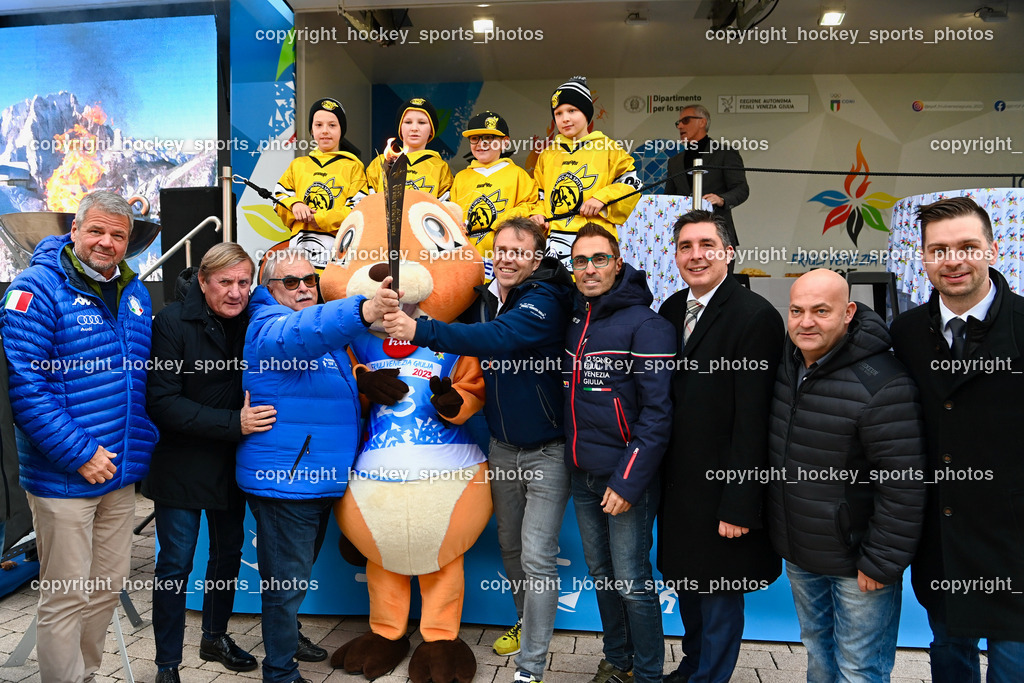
(442, 661)
(350, 553)
(371, 655)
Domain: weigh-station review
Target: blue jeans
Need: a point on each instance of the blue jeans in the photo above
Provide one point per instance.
(177, 530)
(957, 660)
(530, 488)
(618, 554)
(288, 535)
(850, 635)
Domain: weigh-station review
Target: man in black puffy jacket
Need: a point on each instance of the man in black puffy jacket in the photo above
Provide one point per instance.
(847, 495)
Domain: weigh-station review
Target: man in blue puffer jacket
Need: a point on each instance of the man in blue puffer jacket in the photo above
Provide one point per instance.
(76, 330)
(618, 418)
(295, 360)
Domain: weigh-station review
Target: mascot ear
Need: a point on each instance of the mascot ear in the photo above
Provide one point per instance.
(455, 211)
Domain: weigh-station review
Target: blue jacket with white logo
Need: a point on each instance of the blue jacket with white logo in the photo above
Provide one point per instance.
(77, 376)
(296, 361)
(619, 407)
(520, 352)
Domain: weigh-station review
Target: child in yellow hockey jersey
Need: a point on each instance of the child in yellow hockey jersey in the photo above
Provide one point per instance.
(417, 125)
(580, 173)
(493, 188)
(319, 190)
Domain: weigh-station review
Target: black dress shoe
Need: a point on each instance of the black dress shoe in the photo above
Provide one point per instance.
(308, 651)
(167, 676)
(225, 651)
(676, 676)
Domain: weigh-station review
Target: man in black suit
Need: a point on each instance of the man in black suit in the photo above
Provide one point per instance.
(712, 545)
(725, 190)
(965, 350)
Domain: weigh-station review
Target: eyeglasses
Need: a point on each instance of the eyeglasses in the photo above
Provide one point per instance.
(292, 282)
(685, 121)
(599, 261)
(477, 139)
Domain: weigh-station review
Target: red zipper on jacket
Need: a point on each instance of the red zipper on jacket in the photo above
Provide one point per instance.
(620, 418)
(572, 399)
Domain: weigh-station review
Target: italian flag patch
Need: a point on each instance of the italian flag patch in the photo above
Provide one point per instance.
(17, 300)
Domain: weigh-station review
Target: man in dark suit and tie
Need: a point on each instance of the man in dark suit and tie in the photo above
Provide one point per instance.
(712, 545)
(725, 190)
(965, 349)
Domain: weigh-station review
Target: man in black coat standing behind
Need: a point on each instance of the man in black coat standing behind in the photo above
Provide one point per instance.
(194, 393)
(712, 546)
(724, 189)
(965, 349)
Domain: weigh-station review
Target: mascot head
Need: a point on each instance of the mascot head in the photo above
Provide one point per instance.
(438, 266)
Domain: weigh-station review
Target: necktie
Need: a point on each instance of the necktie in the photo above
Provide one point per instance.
(692, 309)
(957, 326)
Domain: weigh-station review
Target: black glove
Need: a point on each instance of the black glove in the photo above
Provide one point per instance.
(445, 400)
(381, 386)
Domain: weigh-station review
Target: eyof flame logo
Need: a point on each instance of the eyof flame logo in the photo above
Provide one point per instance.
(852, 206)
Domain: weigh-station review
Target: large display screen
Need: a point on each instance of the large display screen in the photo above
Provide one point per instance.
(128, 106)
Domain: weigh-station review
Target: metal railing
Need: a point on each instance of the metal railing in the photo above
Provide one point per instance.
(186, 242)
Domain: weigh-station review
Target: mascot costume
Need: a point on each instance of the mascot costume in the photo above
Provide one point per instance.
(418, 497)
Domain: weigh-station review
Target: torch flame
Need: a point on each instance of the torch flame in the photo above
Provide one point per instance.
(860, 167)
(80, 170)
(393, 150)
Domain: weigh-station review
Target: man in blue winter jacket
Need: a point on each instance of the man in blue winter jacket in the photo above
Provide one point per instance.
(618, 421)
(521, 318)
(76, 330)
(295, 360)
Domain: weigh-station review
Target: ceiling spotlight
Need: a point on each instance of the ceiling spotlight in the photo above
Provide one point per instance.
(483, 26)
(636, 19)
(832, 14)
(992, 14)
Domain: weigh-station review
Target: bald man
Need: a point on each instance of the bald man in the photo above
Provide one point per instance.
(846, 503)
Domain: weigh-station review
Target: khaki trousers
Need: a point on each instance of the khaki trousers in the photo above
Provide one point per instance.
(84, 557)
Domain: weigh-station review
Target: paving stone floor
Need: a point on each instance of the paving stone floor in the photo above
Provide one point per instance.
(574, 654)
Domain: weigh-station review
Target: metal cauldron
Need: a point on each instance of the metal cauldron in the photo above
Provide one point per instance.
(21, 232)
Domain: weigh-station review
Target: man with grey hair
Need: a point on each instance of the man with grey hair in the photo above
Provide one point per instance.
(76, 330)
(296, 360)
(195, 395)
(724, 189)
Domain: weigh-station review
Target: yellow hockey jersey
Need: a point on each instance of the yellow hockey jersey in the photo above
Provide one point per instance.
(330, 183)
(571, 172)
(427, 172)
(491, 194)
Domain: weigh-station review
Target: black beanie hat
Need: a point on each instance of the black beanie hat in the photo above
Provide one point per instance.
(329, 105)
(418, 104)
(575, 92)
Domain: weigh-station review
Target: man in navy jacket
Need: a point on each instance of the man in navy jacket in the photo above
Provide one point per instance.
(522, 315)
(77, 333)
(618, 421)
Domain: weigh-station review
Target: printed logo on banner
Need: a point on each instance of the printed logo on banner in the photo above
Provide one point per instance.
(634, 104)
(851, 205)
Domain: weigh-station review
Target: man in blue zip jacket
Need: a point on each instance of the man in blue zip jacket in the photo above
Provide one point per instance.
(296, 360)
(521, 319)
(618, 421)
(76, 329)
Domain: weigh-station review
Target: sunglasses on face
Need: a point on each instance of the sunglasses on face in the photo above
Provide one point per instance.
(685, 121)
(477, 139)
(599, 261)
(292, 282)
